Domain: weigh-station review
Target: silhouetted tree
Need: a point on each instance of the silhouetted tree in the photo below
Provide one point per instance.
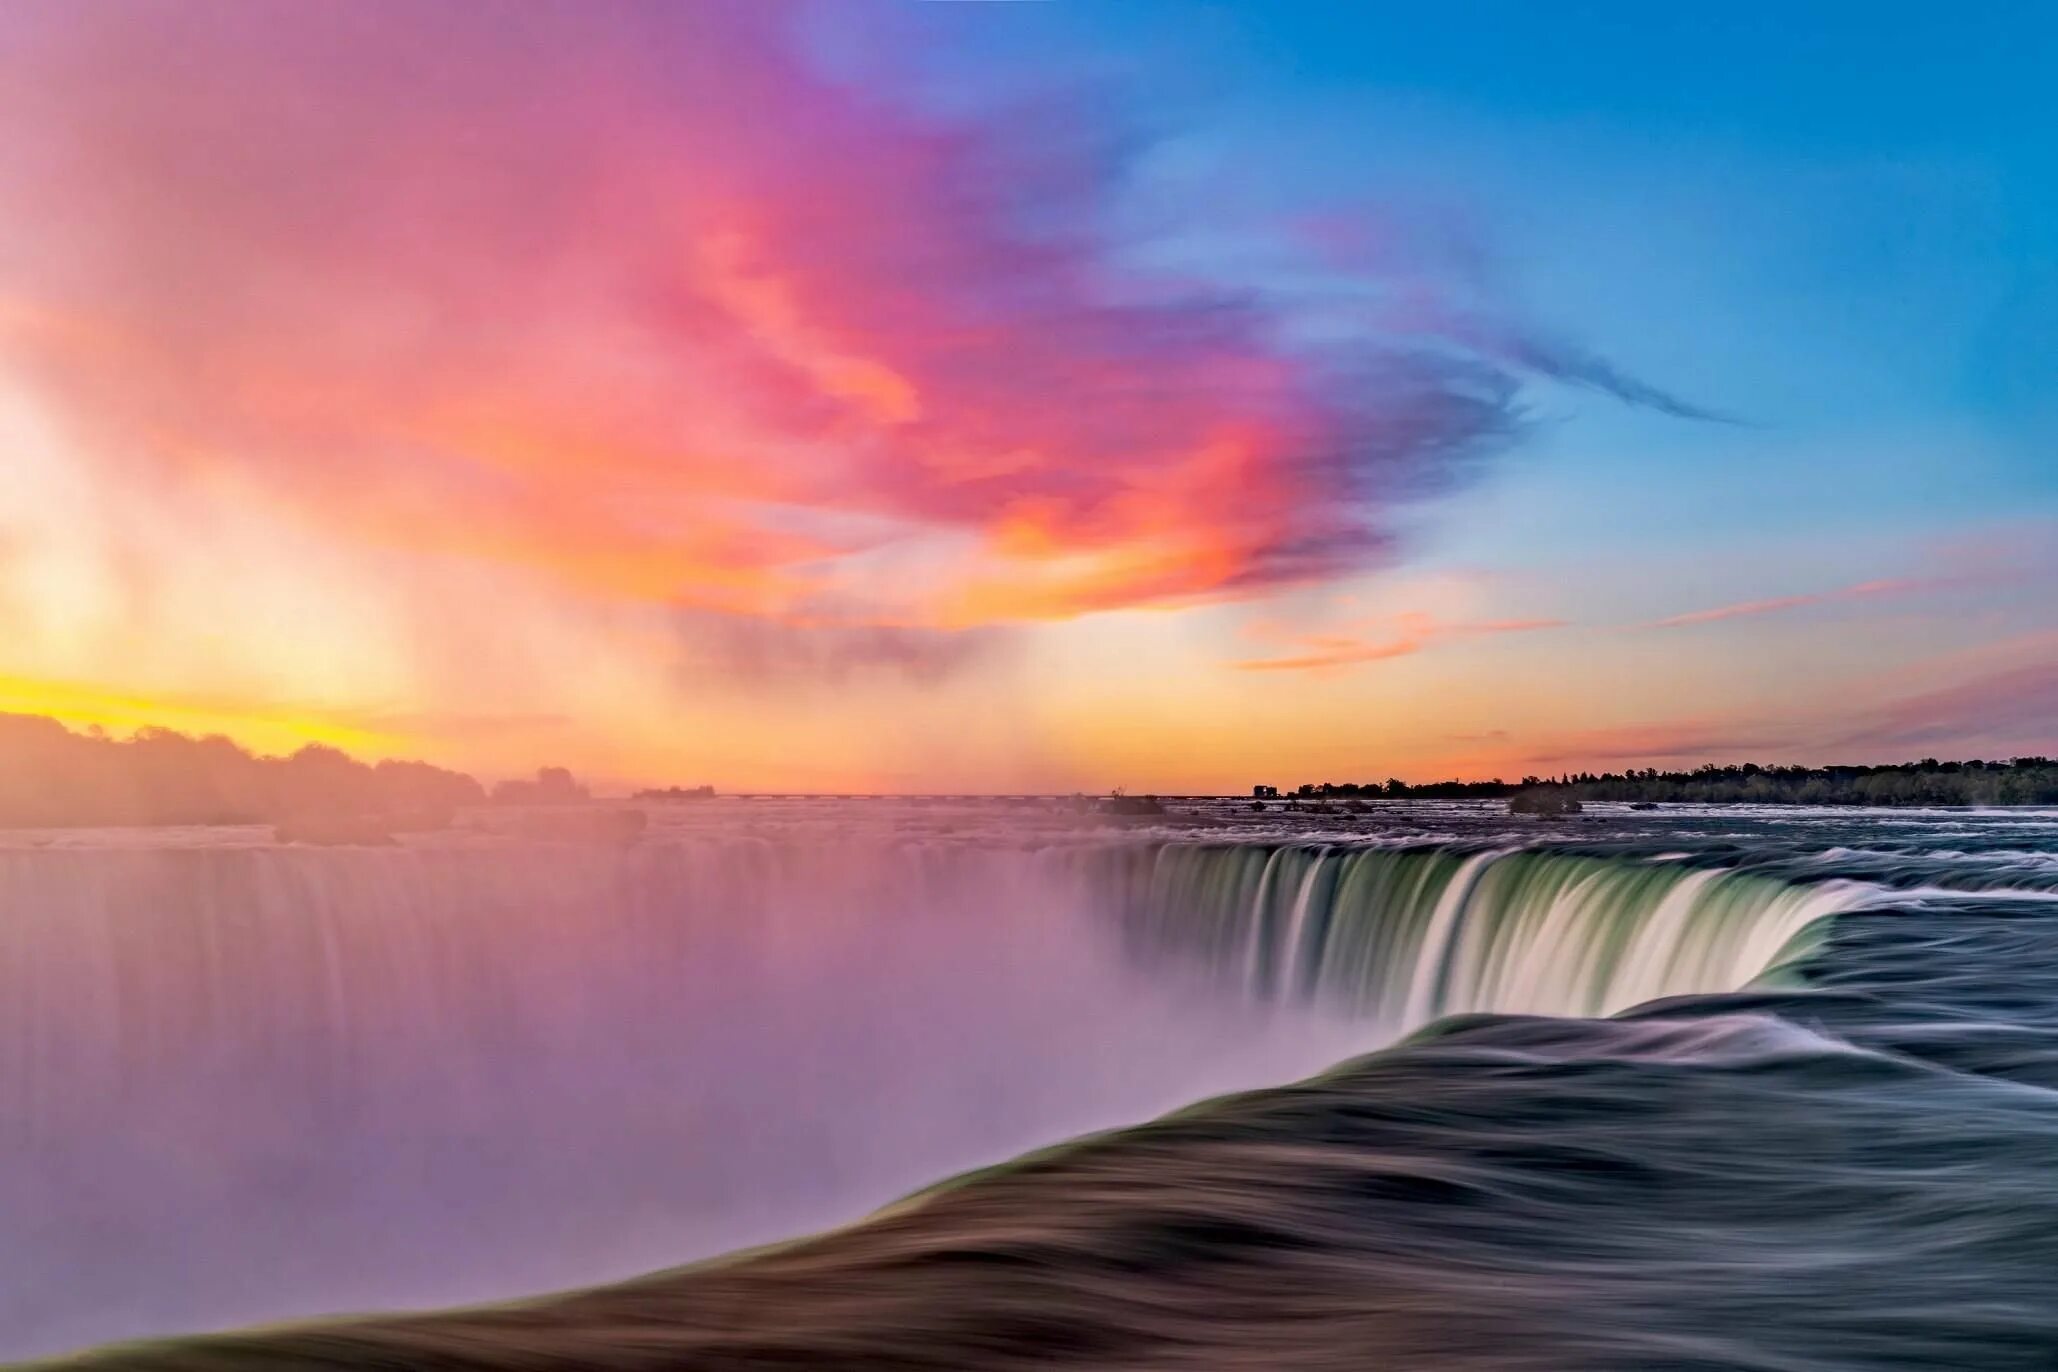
(2023, 781)
(52, 776)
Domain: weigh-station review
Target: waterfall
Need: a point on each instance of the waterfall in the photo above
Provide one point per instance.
(241, 1083)
(478, 1066)
(1406, 935)
(122, 970)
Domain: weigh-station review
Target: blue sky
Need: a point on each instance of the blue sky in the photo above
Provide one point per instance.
(1838, 222)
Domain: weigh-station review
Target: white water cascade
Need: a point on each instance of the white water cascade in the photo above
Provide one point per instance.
(1404, 936)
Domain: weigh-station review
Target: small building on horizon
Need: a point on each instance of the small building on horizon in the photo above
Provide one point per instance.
(1264, 793)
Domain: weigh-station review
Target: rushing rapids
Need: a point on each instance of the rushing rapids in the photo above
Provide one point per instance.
(246, 1081)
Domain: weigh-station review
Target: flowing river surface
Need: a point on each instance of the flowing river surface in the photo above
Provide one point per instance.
(1703, 1088)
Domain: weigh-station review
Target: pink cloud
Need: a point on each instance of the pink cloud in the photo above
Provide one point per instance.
(633, 297)
(1999, 700)
(2015, 706)
(1743, 609)
(1672, 741)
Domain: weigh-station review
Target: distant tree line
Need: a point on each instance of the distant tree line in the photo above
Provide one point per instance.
(1393, 788)
(50, 776)
(2017, 781)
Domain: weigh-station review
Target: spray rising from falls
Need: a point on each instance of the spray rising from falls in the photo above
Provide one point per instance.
(129, 971)
(481, 1065)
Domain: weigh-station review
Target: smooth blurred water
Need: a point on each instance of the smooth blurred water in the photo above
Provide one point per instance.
(240, 1081)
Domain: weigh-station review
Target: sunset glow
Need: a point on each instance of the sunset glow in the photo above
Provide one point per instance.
(699, 393)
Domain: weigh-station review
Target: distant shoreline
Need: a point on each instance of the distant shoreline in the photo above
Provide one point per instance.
(51, 777)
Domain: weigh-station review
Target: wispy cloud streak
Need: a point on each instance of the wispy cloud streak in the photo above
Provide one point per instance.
(1864, 590)
(1404, 635)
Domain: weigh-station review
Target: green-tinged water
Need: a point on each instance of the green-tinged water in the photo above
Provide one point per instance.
(1408, 935)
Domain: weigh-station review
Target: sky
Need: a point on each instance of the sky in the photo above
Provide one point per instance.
(1040, 396)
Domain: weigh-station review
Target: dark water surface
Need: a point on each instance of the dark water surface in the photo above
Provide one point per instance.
(1853, 1163)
